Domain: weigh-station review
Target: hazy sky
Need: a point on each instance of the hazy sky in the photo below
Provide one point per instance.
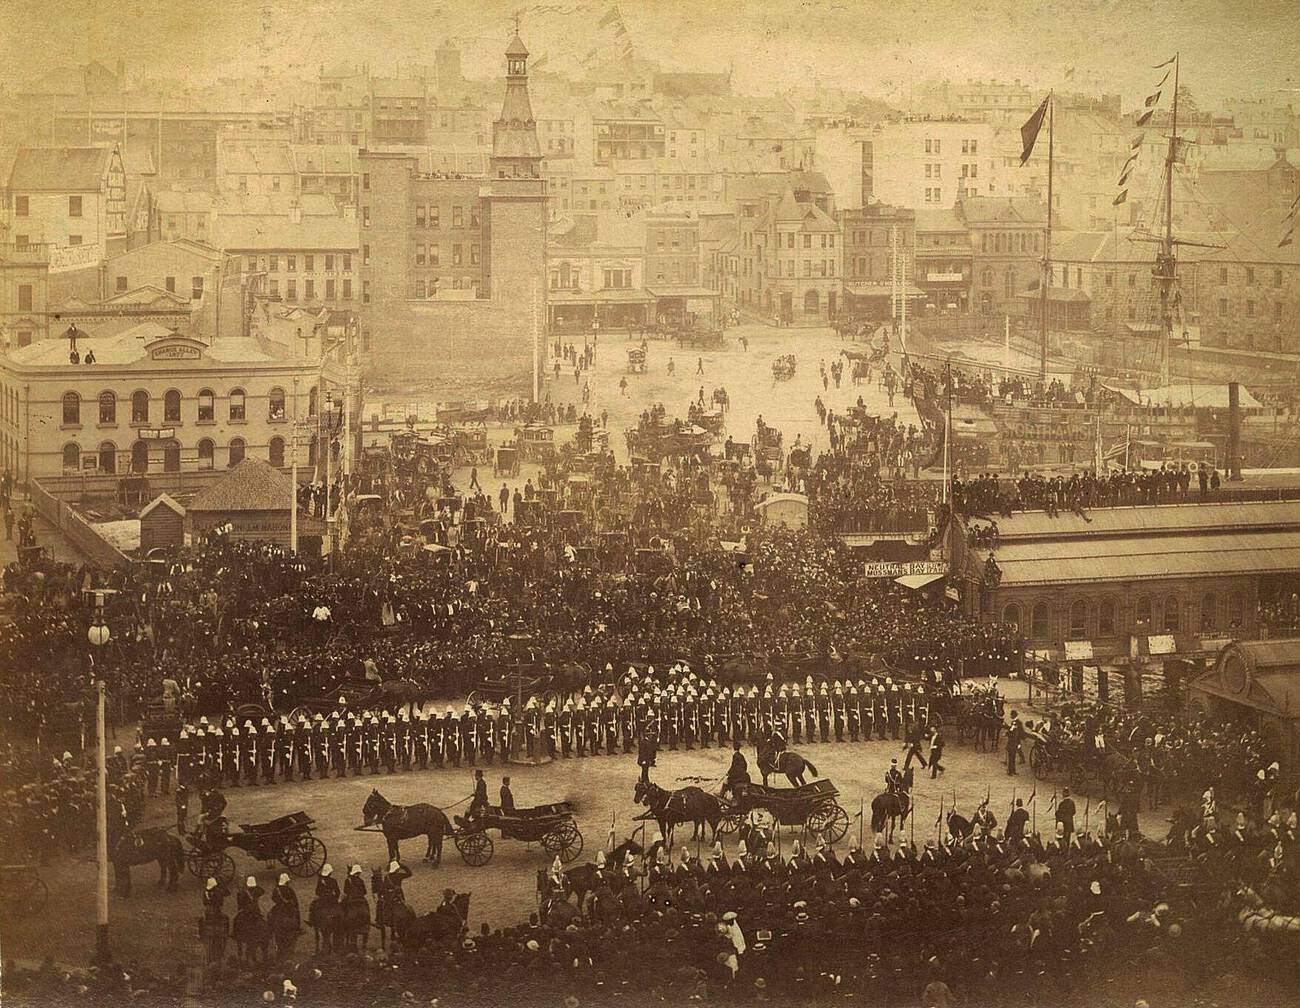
(1245, 48)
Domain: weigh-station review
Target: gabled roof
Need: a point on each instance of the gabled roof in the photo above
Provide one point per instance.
(997, 210)
(59, 169)
(252, 485)
(273, 232)
(938, 221)
(147, 294)
(163, 501)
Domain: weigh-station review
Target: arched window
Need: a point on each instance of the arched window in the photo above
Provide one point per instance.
(172, 456)
(1011, 615)
(172, 406)
(140, 457)
(71, 457)
(275, 404)
(140, 407)
(237, 404)
(71, 409)
(276, 452)
(1142, 615)
(236, 451)
(1209, 613)
(1079, 620)
(207, 409)
(1010, 279)
(311, 401)
(1042, 629)
(205, 454)
(107, 407)
(108, 457)
(1171, 614)
(987, 278)
(812, 301)
(1106, 618)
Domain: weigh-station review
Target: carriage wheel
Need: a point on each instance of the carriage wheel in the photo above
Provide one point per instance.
(304, 858)
(564, 842)
(218, 866)
(1039, 763)
(761, 818)
(475, 848)
(830, 821)
(729, 824)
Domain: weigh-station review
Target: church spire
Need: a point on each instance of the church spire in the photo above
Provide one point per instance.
(515, 150)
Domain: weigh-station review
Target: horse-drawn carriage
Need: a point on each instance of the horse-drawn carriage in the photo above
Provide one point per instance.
(812, 806)
(507, 461)
(712, 420)
(288, 840)
(536, 443)
(636, 361)
(783, 368)
(767, 448)
(1079, 764)
(550, 825)
(470, 445)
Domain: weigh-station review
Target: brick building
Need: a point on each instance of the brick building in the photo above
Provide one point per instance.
(399, 111)
(72, 199)
(874, 236)
(450, 261)
(1006, 249)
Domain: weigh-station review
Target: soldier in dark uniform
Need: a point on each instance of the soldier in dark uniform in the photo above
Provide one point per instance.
(285, 752)
(880, 711)
(437, 740)
(252, 753)
(611, 727)
(403, 741)
(795, 704)
(894, 710)
(468, 736)
(451, 738)
(564, 724)
(647, 750)
(504, 728)
(690, 712)
(302, 748)
(824, 713)
(187, 744)
(627, 724)
(810, 713)
(853, 712)
(420, 740)
(232, 755)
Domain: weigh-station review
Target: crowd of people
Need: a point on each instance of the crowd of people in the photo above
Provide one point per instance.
(989, 494)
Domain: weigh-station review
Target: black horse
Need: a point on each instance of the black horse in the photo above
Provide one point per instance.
(582, 879)
(402, 822)
(141, 847)
(787, 762)
(689, 805)
(890, 809)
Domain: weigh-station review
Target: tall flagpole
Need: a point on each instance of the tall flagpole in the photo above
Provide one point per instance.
(1047, 244)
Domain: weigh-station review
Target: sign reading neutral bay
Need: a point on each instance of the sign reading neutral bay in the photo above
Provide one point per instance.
(892, 570)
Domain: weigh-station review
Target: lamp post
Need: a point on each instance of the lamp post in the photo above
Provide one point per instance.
(99, 636)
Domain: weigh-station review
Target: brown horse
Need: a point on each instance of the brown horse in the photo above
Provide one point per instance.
(689, 805)
(141, 847)
(787, 762)
(402, 822)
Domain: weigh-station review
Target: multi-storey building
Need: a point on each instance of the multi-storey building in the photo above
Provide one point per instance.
(71, 199)
(944, 261)
(338, 108)
(596, 276)
(1006, 241)
(399, 111)
(154, 402)
(300, 259)
(625, 130)
(329, 170)
(488, 288)
(789, 255)
(258, 167)
(877, 239)
(183, 214)
(927, 163)
(672, 266)
(24, 293)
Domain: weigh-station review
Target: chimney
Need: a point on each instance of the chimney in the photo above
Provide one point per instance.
(868, 172)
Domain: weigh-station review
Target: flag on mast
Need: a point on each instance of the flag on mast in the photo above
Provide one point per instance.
(1121, 198)
(1145, 117)
(1029, 131)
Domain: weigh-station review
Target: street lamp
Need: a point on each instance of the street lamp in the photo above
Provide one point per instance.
(99, 636)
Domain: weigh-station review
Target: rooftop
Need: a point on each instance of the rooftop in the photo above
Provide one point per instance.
(271, 233)
(252, 485)
(131, 346)
(59, 169)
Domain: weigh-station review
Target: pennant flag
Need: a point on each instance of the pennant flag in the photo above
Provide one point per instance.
(1123, 181)
(1029, 131)
(1145, 117)
(1295, 204)
(1152, 99)
(610, 17)
(1286, 239)
(1069, 72)
(1166, 62)
(1131, 158)
(1137, 142)
(1162, 80)
(1121, 198)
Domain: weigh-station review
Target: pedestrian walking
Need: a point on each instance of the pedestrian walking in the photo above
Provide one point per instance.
(936, 753)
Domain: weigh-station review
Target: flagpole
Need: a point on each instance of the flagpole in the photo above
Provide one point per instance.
(1047, 244)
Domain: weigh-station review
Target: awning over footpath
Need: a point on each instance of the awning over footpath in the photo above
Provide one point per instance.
(918, 581)
(610, 296)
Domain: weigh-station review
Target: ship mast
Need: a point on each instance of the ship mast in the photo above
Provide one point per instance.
(1046, 280)
(1166, 267)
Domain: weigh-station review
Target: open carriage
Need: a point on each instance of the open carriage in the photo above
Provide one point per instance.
(812, 806)
(550, 825)
(712, 420)
(288, 840)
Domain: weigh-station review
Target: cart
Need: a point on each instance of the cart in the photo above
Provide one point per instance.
(812, 806)
(550, 825)
(288, 840)
(536, 443)
(636, 361)
(507, 462)
(470, 443)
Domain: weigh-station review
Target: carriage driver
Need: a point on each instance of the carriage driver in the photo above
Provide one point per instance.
(478, 802)
(738, 773)
(893, 778)
(211, 824)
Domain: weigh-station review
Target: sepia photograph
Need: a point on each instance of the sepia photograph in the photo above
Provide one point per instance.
(648, 503)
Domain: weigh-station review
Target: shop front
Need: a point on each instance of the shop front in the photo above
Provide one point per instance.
(573, 313)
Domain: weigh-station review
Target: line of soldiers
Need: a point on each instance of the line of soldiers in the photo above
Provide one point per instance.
(688, 712)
